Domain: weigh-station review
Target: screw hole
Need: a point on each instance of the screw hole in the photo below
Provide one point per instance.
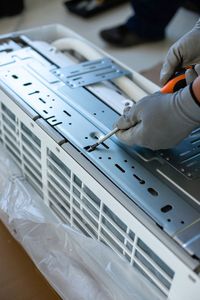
(153, 192)
(109, 157)
(94, 114)
(168, 220)
(166, 208)
(100, 157)
(125, 160)
(182, 222)
(70, 123)
(86, 137)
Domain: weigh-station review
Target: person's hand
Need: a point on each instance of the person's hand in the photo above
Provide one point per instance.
(192, 74)
(159, 121)
(185, 52)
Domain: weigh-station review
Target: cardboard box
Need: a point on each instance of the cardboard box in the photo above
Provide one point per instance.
(19, 278)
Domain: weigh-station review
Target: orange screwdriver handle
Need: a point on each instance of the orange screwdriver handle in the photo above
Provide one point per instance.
(177, 82)
(174, 84)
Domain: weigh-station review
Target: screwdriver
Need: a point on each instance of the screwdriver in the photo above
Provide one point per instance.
(101, 140)
(177, 82)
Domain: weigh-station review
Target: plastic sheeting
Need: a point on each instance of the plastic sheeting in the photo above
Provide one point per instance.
(78, 267)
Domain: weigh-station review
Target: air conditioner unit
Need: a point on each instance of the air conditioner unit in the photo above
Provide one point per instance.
(59, 94)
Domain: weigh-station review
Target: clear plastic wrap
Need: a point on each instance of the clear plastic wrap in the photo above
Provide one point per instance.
(78, 267)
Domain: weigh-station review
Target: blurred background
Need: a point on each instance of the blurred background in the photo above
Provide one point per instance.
(142, 57)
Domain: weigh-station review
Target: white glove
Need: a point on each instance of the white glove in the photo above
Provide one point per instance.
(185, 52)
(192, 74)
(160, 121)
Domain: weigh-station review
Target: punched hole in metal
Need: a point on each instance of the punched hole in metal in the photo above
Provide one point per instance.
(27, 83)
(166, 208)
(120, 168)
(67, 113)
(42, 100)
(152, 192)
(36, 92)
(87, 148)
(141, 181)
(105, 146)
(95, 135)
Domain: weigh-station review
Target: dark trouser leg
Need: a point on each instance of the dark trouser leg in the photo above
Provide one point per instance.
(152, 16)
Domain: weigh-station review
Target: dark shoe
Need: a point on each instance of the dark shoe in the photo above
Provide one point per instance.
(11, 8)
(121, 36)
(190, 5)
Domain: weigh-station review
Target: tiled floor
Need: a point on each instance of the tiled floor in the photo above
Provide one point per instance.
(141, 57)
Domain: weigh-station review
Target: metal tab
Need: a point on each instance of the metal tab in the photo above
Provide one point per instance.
(190, 239)
(90, 72)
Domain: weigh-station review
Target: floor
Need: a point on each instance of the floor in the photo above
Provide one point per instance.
(139, 58)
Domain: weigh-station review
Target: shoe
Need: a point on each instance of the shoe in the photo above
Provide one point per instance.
(121, 36)
(11, 8)
(190, 5)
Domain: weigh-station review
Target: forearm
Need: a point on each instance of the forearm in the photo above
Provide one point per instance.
(196, 89)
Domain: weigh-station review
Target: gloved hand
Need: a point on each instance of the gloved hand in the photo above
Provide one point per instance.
(185, 52)
(160, 121)
(192, 74)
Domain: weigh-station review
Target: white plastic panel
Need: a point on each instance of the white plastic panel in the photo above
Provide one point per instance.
(78, 199)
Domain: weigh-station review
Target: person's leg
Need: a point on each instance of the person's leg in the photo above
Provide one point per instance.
(193, 5)
(146, 25)
(151, 17)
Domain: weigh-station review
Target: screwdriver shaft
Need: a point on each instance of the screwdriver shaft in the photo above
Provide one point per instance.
(105, 137)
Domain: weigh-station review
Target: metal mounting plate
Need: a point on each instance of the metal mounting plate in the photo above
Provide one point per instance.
(186, 156)
(79, 116)
(90, 72)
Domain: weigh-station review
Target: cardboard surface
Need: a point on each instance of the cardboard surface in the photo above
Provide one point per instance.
(153, 73)
(19, 278)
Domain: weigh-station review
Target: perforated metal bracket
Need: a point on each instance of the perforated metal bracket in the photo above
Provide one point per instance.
(185, 157)
(90, 72)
